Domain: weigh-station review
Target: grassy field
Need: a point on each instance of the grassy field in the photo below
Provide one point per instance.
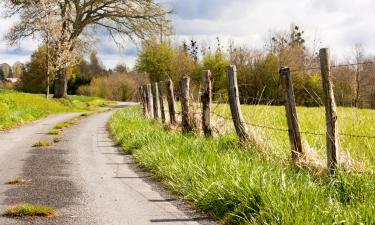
(356, 151)
(18, 108)
(241, 187)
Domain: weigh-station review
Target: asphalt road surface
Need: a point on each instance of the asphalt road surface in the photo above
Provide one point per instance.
(85, 177)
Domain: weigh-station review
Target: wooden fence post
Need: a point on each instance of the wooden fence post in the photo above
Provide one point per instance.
(332, 137)
(206, 98)
(171, 101)
(234, 102)
(161, 100)
(143, 100)
(150, 102)
(155, 96)
(184, 98)
(291, 113)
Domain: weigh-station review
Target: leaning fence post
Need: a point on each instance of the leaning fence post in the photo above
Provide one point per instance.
(206, 98)
(155, 96)
(234, 102)
(184, 98)
(171, 101)
(331, 114)
(291, 113)
(150, 102)
(161, 100)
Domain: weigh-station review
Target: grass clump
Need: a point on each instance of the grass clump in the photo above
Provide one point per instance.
(19, 181)
(56, 140)
(61, 126)
(41, 144)
(54, 132)
(238, 186)
(25, 210)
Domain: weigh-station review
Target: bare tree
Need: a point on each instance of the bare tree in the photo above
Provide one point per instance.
(72, 22)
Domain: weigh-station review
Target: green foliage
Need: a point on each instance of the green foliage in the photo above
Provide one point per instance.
(119, 87)
(34, 79)
(217, 64)
(241, 187)
(155, 59)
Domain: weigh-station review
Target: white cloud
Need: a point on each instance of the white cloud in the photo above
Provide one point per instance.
(338, 24)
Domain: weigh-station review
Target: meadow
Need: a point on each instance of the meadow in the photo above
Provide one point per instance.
(17, 108)
(241, 186)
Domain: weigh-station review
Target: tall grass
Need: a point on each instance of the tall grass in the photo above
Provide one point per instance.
(17, 108)
(238, 186)
(357, 151)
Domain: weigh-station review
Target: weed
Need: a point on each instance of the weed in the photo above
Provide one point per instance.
(60, 126)
(24, 210)
(19, 181)
(42, 144)
(54, 132)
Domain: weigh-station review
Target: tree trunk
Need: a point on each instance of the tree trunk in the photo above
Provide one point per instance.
(61, 84)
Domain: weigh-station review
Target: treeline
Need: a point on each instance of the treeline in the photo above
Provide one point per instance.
(258, 69)
(89, 77)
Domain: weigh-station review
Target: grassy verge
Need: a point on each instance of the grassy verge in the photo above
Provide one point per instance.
(239, 187)
(18, 108)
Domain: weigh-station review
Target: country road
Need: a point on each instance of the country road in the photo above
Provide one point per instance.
(85, 177)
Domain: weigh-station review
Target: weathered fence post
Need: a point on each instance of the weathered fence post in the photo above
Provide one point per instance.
(234, 102)
(206, 98)
(171, 101)
(155, 95)
(161, 100)
(291, 113)
(184, 98)
(150, 102)
(143, 100)
(332, 137)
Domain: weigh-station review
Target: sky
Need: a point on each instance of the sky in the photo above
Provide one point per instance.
(337, 24)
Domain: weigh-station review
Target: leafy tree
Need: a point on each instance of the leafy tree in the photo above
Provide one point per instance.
(34, 77)
(217, 64)
(18, 69)
(155, 60)
(6, 71)
(64, 23)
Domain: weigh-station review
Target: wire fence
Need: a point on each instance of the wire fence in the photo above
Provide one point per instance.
(333, 66)
(222, 114)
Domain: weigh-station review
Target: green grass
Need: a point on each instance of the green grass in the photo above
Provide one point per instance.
(61, 126)
(24, 210)
(238, 186)
(53, 132)
(41, 144)
(312, 119)
(18, 108)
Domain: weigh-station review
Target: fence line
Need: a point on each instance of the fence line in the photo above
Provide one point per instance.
(211, 103)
